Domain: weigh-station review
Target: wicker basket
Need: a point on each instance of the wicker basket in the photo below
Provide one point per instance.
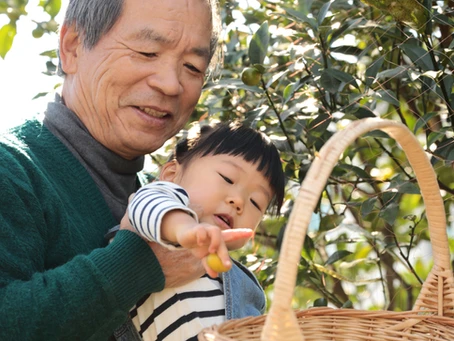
(432, 317)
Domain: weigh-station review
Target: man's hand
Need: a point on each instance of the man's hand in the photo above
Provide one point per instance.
(179, 267)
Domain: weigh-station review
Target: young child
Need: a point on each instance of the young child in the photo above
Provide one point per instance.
(230, 175)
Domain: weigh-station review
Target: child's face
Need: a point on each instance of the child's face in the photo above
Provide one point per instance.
(225, 191)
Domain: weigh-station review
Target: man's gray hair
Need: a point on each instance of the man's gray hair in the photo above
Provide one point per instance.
(94, 18)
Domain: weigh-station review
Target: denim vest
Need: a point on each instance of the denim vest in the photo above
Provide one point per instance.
(243, 297)
(242, 292)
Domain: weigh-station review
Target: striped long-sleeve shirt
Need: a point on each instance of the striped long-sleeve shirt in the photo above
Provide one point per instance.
(151, 203)
(174, 313)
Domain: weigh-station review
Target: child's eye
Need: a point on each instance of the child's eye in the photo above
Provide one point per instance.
(226, 179)
(256, 205)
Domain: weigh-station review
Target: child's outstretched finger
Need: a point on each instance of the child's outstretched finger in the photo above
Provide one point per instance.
(237, 234)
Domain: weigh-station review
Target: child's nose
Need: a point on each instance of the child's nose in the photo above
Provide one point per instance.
(237, 202)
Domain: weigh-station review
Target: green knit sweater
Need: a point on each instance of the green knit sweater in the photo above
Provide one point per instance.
(59, 280)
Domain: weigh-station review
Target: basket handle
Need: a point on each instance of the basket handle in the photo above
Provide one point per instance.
(281, 323)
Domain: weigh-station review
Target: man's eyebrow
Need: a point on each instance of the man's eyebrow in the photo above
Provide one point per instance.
(148, 34)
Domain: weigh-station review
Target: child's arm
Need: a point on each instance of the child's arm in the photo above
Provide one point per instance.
(151, 203)
(159, 212)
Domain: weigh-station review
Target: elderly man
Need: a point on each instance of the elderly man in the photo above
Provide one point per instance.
(134, 71)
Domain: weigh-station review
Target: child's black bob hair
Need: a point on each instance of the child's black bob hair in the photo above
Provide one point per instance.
(237, 140)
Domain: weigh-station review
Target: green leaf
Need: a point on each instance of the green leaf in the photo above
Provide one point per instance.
(347, 49)
(408, 187)
(390, 212)
(423, 121)
(434, 137)
(52, 7)
(403, 186)
(323, 11)
(259, 44)
(443, 19)
(360, 173)
(305, 6)
(288, 91)
(377, 133)
(308, 248)
(49, 53)
(51, 67)
(230, 83)
(367, 206)
(363, 112)
(347, 305)
(445, 149)
(336, 256)
(349, 24)
(303, 18)
(291, 88)
(321, 302)
(329, 82)
(387, 96)
(7, 34)
(330, 222)
(373, 69)
(41, 94)
(319, 125)
(255, 115)
(397, 72)
(418, 55)
(342, 76)
(433, 74)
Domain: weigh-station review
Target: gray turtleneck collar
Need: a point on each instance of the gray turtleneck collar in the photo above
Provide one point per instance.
(115, 176)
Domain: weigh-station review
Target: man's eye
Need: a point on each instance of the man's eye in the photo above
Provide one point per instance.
(226, 179)
(148, 54)
(192, 68)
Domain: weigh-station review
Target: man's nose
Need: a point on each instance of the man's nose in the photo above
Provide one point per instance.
(166, 79)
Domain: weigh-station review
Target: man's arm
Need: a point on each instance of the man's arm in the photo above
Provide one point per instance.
(86, 296)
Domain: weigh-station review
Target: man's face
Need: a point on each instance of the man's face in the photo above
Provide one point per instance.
(140, 83)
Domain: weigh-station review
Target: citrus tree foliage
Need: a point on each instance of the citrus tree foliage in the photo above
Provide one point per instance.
(15, 10)
(300, 71)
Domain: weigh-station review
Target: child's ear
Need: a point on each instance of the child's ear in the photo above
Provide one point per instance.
(170, 171)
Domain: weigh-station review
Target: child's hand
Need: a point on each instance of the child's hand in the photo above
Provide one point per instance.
(204, 239)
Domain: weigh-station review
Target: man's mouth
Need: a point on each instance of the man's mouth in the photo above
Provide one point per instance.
(153, 112)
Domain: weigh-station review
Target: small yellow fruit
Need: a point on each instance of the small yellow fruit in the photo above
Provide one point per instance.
(215, 263)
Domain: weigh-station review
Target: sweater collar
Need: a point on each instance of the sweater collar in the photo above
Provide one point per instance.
(115, 176)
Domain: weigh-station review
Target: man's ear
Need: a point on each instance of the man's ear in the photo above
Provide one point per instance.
(170, 171)
(69, 48)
